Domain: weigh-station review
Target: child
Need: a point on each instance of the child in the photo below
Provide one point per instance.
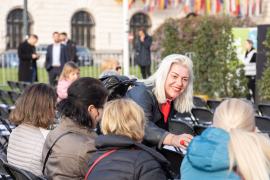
(69, 74)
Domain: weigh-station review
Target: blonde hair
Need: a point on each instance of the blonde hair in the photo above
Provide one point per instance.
(68, 68)
(250, 151)
(108, 64)
(123, 117)
(184, 102)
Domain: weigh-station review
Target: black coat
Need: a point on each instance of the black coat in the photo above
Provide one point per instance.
(25, 52)
(72, 50)
(143, 54)
(144, 97)
(139, 163)
(64, 56)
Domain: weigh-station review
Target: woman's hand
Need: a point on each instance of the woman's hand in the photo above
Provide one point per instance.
(178, 138)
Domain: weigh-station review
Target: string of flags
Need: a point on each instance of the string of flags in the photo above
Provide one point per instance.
(237, 7)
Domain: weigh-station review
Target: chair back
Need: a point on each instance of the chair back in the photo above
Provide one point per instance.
(184, 117)
(203, 116)
(199, 102)
(19, 174)
(14, 96)
(12, 85)
(23, 85)
(4, 96)
(3, 159)
(264, 109)
(179, 127)
(213, 104)
(175, 158)
(4, 113)
(263, 123)
(198, 129)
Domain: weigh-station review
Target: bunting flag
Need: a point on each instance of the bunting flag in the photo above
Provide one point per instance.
(236, 12)
(198, 6)
(129, 3)
(146, 5)
(161, 4)
(167, 2)
(217, 6)
(233, 7)
(176, 3)
(141, 2)
(250, 7)
(207, 6)
(186, 6)
(152, 5)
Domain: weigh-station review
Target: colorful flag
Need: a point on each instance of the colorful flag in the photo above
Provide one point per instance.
(208, 6)
(161, 4)
(186, 6)
(129, 3)
(233, 7)
(152, 5)
(197, 6)
(146, 6)
(167, 2)
(141, 2)
(236, 12)
(217, 6)
(176, 2)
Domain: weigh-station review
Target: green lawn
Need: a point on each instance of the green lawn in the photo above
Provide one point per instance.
(86, 71)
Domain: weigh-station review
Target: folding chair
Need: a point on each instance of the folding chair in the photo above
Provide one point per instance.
(14, 96)
(179, 127)
(199, 102)
(264, 109)
(256, 110)
(184, 117)
(263, 124)
(203, 116)
(12, 85)
(19, 174)
(175, 158)
(4, 96)
(213, 104)
(3, 172)
(23, 85)
(198, 129)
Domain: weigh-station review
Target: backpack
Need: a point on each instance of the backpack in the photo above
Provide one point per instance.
(117, 85)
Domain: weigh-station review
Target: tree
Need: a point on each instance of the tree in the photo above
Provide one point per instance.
(264, 82)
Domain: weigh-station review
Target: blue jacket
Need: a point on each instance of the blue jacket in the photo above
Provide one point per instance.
(207, 157)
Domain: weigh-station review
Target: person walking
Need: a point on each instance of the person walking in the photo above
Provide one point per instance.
(56, 57)
(28, 57)
(71, 46)
(250, 67)
(143, 56)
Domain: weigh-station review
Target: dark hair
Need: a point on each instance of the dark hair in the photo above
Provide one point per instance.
(36, 106)
(34, 36)
(63, 33)
(55, 33)
(191, 15)
(142, 29)
(250, 42)
(82, 93)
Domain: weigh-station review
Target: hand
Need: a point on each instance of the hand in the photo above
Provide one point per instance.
(34, 56)
(38, 56)
(186, 137)
(142, 38)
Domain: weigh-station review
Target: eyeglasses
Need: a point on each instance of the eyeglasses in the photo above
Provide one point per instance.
(117, 68)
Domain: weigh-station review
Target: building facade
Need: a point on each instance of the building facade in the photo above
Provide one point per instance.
(96, 24)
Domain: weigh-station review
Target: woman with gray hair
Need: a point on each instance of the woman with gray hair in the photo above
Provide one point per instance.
(169, 90)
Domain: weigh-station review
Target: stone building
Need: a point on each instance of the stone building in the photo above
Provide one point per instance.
(96, 24)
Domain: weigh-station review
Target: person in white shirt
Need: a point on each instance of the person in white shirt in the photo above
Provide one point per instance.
(250, 67)
(56, 57)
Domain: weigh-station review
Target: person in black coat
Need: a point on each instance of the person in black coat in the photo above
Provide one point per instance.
(143, 54)
(123, 125)
(28, 57)
(169, 90)
(56, 57)
(71, 47)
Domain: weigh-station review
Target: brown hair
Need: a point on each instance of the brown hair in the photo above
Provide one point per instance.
(63, 33)
(123, 117)
(250, 42)
(108, 64)
(68, 68)
(35, 106)
(55, 33)
(34, 36)
(142, 29)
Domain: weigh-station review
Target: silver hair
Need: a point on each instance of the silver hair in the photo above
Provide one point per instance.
(184, 102)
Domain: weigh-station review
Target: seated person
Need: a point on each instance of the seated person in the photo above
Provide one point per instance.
(80, 112)
(110, 67)
(123, 124)
(231, 149)
(34, 112)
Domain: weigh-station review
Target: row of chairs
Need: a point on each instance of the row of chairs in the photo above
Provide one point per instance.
(178, 127)
(8, 97)
(18, 85)
(212, 104)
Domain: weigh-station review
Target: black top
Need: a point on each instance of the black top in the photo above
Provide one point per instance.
(132, 160)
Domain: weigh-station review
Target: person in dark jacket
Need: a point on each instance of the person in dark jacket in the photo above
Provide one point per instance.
(71, 46)
(28, 57)
(143, 54)
(56, 57)
(123, 125)
(169, 90)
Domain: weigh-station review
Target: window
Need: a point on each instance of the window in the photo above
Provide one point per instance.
(82, 29)
(15, 29)
(138, 20)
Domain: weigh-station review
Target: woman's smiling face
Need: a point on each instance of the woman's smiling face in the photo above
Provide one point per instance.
(176, 81)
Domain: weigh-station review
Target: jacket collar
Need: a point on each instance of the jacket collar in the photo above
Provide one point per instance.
(104, 142)
(69, 125)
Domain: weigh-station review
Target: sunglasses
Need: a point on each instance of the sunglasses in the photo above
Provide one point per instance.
(117, 68)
